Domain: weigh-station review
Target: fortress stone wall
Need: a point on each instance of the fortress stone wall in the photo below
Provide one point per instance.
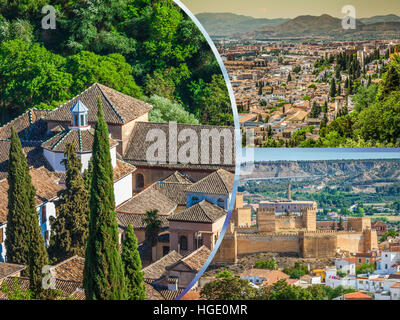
(295, 234)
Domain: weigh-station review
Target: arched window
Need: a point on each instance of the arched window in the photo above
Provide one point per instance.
(139, 181)
(183, 242)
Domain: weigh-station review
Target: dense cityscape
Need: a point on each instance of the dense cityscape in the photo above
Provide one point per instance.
(309, 94)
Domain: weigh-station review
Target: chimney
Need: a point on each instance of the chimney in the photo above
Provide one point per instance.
(173, 284)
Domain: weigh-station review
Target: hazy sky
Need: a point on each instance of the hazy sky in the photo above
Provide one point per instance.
(294, 8)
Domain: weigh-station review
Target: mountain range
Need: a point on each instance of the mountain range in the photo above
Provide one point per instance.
(229, 24)
(226, 24)
(359, 170)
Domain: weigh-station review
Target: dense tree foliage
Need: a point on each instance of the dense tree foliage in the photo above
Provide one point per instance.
(266, 264)
(240, 289)
(228, 289)
(165, 110)
(134, 277)
(24, 241)
(134, 46)
(297, 271)
(70, 228)
(224, 274)
(153, 225)
(375, 121)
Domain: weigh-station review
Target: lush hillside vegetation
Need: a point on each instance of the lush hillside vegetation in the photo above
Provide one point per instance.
(139, 47)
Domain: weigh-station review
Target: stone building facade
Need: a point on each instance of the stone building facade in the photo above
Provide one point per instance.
(296, 234)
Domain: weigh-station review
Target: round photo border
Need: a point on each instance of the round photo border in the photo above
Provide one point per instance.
(238, 146)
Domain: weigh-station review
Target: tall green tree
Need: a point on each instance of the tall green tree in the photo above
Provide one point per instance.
(333, 88)
(103, 276)
(24, 241)
(153, 227)
(70, 228)
(134, 277)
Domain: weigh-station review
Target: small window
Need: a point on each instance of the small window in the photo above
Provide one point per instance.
(183, 241)
(139, 181)
(195, 198)
(44, 214)
(165, 250)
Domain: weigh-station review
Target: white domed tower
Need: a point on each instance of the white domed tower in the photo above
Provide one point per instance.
(80, 135)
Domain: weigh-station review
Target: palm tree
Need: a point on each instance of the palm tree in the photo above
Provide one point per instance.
(153, 227)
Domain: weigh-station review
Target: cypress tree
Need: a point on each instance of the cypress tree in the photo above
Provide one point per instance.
(21, 203)
(103, 275)
(333, 88)
(340, 225)
(24, 241)
(70, 228)
(134, 277)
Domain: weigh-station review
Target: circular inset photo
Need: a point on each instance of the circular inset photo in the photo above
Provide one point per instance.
(118, 148)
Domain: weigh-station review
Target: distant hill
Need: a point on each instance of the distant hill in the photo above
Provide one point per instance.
(327, 26)
(378, 19)
(361, 170)
(226, 24)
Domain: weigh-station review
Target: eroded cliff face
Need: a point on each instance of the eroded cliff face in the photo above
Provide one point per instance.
(360, 169)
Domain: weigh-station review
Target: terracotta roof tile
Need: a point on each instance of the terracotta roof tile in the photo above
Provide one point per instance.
(70, 269)
(197, 259)
(219, 182)
(175, 191)
(191, 295)
(46, 186)
(30, 126)
(79, 294)
(203, 212)
(272, 276)
(138, 146)
(178, 177)
(194, 260)
(125, 219)
(148, 199)
(118, 108)
(32, 150)
(169, 294)
(156, 270)
(357, 296)
(10, 269)
(82, 140)
(152, 293)
(122, 169)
